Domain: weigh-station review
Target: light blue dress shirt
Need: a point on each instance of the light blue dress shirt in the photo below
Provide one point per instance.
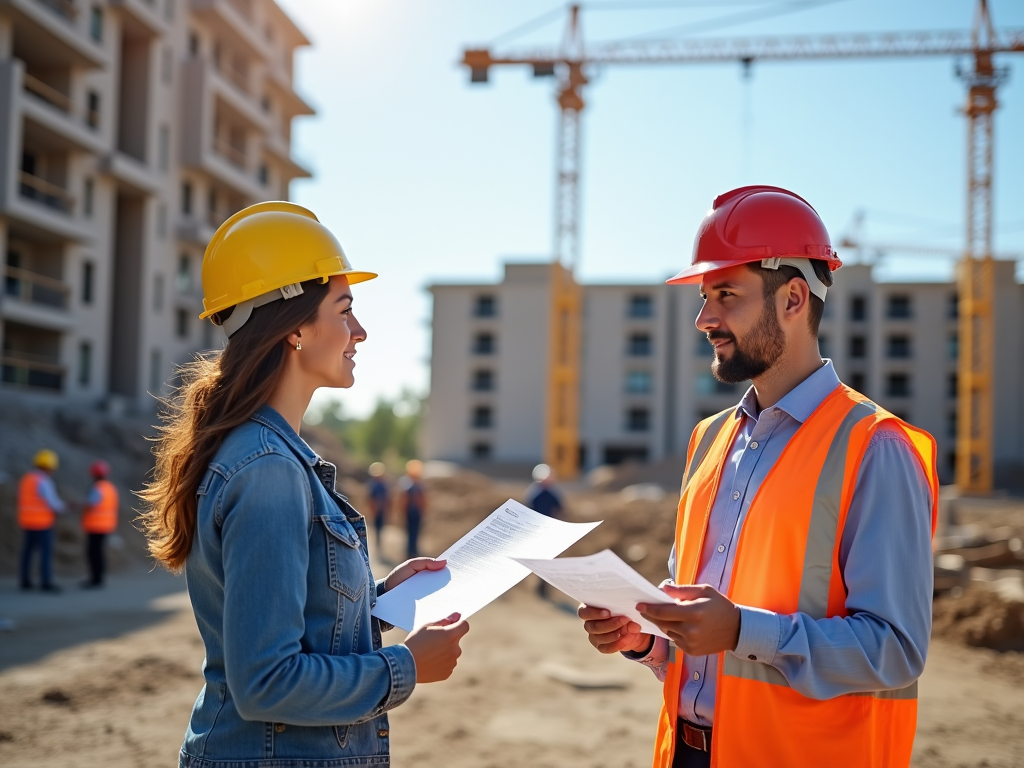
(47, 490)
(885, 556)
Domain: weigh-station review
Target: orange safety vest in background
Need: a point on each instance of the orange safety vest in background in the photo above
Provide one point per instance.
(102, 518)
(787, 561)
(34, 514)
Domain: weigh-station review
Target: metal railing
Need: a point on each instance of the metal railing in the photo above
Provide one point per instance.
(230, 152)
(34, 188)
(29, 370)
(64, 8)
(35, 288)
(53, 97)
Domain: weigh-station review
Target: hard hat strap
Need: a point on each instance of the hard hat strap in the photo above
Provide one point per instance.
(243, 310)
(806, 269)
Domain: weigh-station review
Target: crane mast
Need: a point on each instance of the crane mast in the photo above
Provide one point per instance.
(974, 462)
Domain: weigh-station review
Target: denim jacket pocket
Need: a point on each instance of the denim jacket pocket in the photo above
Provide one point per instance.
(345, 558)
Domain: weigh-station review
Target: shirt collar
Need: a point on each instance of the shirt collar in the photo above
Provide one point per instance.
(801, 401)
(271, 419)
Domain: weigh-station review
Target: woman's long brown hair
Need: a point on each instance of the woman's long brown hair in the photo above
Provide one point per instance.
(220, 391)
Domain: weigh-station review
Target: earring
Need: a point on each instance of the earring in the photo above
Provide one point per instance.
(298, 346)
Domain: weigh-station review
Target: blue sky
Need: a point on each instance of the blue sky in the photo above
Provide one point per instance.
(425, 178)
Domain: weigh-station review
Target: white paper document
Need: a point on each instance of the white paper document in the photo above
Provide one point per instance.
(480, 568)
(603, 581)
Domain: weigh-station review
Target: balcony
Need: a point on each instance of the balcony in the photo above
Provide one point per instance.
(144, 17)
(56, 28)
(53, 113)
(231, 153)
(33, 288)
(24, 369)
(41, 191)
(233, 22)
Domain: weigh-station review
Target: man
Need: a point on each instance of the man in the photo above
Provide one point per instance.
(98, 521)
(800, 607)
(543, 497)
(38, 507)
(412, 499)
(377, 490)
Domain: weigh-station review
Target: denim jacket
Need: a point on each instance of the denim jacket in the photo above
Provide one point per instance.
(280, 582)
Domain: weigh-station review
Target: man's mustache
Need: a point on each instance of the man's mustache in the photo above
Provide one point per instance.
(723, 335)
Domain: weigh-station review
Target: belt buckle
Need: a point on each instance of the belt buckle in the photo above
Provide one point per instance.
(697, 738)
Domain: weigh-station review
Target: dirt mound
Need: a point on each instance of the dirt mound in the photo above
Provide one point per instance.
(981, 618)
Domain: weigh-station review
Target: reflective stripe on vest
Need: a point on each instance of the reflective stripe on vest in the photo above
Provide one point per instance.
(102, 518)
(34, 514)
(787, 560)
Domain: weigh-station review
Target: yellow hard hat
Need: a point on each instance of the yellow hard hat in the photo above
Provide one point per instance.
(262, 253)
(46, 459)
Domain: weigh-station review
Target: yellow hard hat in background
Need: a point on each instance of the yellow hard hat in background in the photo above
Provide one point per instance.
(46, 459)
(262, 253)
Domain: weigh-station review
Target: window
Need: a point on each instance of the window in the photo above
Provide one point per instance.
(96, 24)
(898, 347)
(707, 384)
(165, 148)
(641, 306)
(186, 198)
(156, 377)
(181, 324)
(952, 384)
(158, 293)
(184, 273)
(823, 346)
(167, 66)
(953, 306)
(161, 221)
(638, 420)
(638, 382)
(953, 345)
(483, 417)
(858, 347)
(193, 45)
(897, 385)
(88, 277)
(481, 451)
(951, 424)
(92, 110)
(639, 345)
(859, 382)
(87, 196)
(485, 306)
(858, 308)
(898, 307)
(84, 363)
(264, 174)
(619, 454)
(483, 380)
(483, 344)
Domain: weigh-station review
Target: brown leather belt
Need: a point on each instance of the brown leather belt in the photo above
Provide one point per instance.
(696, 736)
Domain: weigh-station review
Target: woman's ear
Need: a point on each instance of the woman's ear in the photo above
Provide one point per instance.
(294, 339)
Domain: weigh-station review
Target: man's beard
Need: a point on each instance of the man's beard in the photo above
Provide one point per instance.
(756, 354)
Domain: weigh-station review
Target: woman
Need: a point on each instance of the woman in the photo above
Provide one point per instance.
(275, 559)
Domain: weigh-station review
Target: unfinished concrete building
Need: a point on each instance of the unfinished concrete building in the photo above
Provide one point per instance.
(129, 129)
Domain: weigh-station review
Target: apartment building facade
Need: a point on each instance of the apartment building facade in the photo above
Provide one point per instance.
(129, 130)
(646, 371)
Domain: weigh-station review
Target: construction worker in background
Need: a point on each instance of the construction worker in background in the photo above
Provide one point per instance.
(99, 519)
(412, 500)
(377, 490)
(38, 507)
(542, 496)
(799, 610)
(275, 559)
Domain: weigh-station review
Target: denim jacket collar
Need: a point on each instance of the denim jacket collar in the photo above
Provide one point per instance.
(271, 419)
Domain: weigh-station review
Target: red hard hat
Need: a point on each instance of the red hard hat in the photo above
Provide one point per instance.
(754, 223)
(99, 469)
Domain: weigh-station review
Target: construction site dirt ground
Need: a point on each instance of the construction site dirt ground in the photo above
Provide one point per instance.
(108, 679)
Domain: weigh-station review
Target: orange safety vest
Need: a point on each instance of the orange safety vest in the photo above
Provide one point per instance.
(787, 561)
(102, 518)
(34, 514)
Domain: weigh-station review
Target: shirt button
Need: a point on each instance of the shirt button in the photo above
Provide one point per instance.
(735, 495)
(280, 727)
(721, 547)
(753, 445)
(696, 675)
(383, 733)
(752, 657)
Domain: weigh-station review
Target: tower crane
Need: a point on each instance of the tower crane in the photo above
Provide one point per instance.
(570, 63)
